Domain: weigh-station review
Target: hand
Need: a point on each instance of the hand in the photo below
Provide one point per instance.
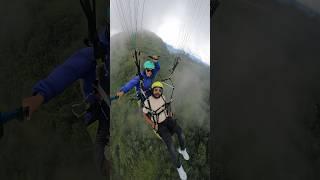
(155, 58)
(155, 127)
(32, 103)
(120, 93)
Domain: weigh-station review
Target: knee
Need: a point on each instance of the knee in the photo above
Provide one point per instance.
(167, 140)
(171, 147)
(179, 130)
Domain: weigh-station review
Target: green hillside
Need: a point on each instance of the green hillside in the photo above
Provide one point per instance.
(135, 150)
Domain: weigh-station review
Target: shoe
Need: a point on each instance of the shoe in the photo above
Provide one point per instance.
(182, 173)
(184, 153)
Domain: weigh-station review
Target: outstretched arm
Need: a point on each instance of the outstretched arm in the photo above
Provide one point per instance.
(7, 116)
(127, 87)
(156, 68)
(74, 68)
(77, 66)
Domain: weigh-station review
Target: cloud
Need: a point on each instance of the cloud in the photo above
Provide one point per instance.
(185, 24)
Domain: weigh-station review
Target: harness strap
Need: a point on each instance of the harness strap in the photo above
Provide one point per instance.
(152, 114)
(137, 62)
(155, 114)
(99, 53)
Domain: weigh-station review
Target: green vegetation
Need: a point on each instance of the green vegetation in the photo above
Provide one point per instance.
(136, 151)
(38, 37)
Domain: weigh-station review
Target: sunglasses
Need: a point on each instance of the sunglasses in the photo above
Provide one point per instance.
(157, 90)
(149, 70)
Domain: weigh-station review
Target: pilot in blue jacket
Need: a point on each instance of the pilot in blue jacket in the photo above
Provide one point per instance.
(81, 65)
(151, 68)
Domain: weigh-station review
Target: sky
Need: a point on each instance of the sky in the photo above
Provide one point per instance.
(184, 24)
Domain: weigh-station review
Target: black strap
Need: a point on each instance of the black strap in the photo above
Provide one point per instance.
(90, 12)
(99, 53)
(138, 65)
(175, 64)
(155, 121)
(213, 6)
(167, 106)
(156, 113)
(137, 62)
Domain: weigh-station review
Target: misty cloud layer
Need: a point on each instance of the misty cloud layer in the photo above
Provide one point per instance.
(170, 20)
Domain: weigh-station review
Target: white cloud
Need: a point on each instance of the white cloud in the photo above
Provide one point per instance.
(171, 20)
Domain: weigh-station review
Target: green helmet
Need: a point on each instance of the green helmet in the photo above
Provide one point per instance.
(148, 65)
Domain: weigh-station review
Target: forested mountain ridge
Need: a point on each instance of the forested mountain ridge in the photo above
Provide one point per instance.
(136, 151)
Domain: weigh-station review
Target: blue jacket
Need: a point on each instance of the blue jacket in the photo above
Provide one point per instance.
(80, 65)
(147, 81)
(7, 116)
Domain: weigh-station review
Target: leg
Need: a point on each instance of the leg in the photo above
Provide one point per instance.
(102, 139)
(166, 137)
(175, 128)
(181, 136)
(101, 113)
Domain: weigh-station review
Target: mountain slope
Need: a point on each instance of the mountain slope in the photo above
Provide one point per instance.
(136, 152)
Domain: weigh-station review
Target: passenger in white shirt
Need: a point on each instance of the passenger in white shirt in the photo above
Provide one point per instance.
(157, 114)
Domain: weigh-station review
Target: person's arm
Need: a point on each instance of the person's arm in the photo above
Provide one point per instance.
(156, 68)
(74, 68)
(64, 75)
(147, 118)
(128, 86)
(33, 103)
(15, 114)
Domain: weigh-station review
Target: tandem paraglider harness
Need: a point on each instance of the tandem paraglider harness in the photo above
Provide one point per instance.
(142, 94)
(101, 85)
(154, 114)
(166, 107)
